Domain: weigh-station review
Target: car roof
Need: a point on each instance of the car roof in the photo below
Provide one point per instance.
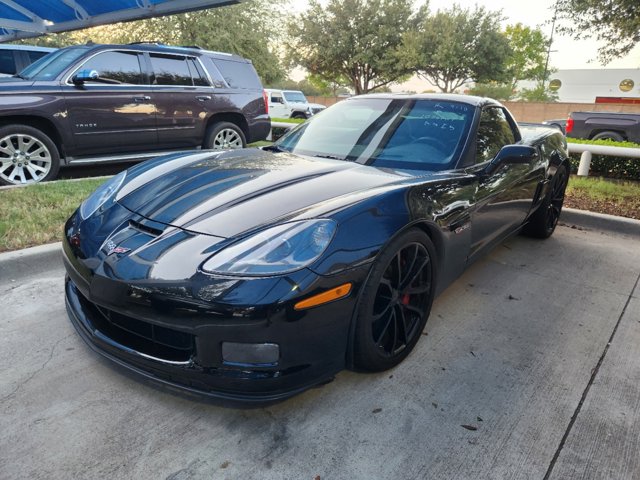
(162, 48)
(32, 48)
(450, 97)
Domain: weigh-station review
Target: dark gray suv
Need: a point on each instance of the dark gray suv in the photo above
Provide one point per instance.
(108, 103)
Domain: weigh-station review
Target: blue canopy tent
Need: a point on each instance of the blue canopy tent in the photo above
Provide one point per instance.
(32, 18)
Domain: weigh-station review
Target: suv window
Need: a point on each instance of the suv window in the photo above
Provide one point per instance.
(121, 67)
(170, 70)
(33, 55)
(494, 132)
(199, 77)
(7, 63)
(238, 74)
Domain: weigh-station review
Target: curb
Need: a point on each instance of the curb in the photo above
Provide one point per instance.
(23, 263)
(600, 221)
(30, 261)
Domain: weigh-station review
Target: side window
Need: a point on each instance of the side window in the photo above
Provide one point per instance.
(170, 70)
(239, 74)
(33, 55)
(199, 78)
(494, 132)
(276, 98)
(7, 63)
(119, 67)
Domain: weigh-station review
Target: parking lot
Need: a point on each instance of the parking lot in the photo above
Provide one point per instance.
(528, 369)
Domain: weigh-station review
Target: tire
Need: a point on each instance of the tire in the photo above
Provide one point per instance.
(615, 136)
(544, 220)
(395, 303)
(299, 115)
(27, 155)
(224, 136)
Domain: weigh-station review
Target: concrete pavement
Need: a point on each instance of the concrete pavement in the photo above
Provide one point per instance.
(529, 370)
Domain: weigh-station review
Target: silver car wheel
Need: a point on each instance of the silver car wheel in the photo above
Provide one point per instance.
(227, 139)
(23, 159)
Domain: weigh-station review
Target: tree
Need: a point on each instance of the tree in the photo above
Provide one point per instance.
(498, 91)
(353, 39)
(528, 55)
(248, 29)
(458, 45)
(615, 22)
(538, 94)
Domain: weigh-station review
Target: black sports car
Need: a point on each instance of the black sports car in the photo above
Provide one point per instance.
(255, 274)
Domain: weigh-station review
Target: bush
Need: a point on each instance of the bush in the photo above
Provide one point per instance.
(608, 166)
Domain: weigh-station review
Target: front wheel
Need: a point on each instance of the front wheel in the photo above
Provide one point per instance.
(543, 222)
(224, 136)
(27, 156)
(395, 303)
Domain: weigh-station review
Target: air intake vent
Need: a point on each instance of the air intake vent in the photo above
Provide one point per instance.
(145, 228)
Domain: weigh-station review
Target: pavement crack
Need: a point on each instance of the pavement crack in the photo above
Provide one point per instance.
(585, 393)
(30, 377)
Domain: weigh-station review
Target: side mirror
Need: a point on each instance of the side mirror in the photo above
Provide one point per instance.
(510, 155)
(85, 76)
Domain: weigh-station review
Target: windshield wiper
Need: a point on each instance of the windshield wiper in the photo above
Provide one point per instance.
(17, 75)
(330, 157)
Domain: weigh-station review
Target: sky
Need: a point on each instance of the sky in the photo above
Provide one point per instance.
(567, 53)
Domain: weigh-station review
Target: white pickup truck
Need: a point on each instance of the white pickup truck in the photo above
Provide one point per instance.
(291, 104)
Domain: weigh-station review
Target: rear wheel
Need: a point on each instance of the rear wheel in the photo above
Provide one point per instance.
(224, 136)
(299, 115)
(27, 156)
(395, 303)
(543, 222)
(615, 136)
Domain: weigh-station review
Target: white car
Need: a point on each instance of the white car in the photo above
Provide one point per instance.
(291, 104)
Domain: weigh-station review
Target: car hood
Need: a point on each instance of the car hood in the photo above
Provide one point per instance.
(226, 194)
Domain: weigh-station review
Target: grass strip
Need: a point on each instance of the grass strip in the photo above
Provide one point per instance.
(35, 215)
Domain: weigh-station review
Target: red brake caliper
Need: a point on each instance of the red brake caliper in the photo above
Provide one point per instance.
(405, 299)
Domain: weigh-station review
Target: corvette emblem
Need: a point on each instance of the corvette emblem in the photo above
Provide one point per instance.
(112, 248)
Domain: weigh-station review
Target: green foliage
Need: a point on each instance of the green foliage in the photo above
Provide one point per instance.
(528, 53)
(247, 29)
(353, 40)
(458, 45)
(615, 22)
(606, 165)
(497, 91)
(608, 143)
(537, 94)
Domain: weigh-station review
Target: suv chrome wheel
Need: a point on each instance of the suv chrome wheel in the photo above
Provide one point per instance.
(24, 159)
(226, 139)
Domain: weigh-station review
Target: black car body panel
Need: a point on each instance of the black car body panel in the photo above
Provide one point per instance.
(138, 293)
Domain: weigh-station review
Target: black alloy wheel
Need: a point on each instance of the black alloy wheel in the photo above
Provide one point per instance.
(544, 221)
(396, 302)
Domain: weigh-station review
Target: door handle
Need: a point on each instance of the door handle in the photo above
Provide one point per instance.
(203, 98)
(143, 99)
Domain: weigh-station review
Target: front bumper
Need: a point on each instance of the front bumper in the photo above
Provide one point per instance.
(184, 350)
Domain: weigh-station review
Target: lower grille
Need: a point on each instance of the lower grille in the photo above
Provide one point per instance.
(159, 342)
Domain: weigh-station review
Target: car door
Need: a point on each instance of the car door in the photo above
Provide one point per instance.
(277, 107)
(184, 99)
(115, 113)
(503, 197)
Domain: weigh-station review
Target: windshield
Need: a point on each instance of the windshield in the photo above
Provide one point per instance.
(296, 97)
(396, 133)
(50, 66)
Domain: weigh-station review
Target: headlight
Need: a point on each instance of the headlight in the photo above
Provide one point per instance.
(280, 249)
(100, 196)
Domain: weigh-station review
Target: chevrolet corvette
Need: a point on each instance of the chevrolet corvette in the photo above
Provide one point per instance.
(251, 275)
